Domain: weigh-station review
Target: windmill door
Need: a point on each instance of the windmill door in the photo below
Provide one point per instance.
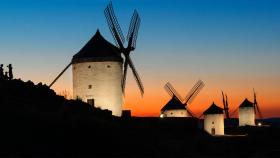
(213, 131)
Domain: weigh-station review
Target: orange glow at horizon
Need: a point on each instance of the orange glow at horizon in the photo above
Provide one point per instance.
(156, 97)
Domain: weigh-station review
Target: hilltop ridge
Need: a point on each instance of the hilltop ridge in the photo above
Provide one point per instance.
(37, 122)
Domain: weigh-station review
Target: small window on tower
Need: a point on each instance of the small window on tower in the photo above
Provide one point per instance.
(89, 66)
(213, 122)
(89, 86)
(108, 66)
(74, 67)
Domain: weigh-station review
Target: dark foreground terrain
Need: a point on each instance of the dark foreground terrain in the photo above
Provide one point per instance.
(35, 122)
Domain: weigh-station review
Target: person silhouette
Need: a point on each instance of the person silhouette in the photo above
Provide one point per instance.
(6, 76)
(1, 71)
(11, 76)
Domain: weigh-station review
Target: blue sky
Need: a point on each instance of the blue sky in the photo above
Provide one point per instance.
(179, 40)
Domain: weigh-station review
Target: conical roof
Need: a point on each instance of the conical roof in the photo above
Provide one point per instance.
(246, 103)
(98, 49)
(213, 109)
(172, 104)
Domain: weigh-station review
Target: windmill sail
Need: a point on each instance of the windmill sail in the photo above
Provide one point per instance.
(60, 74)
(194, 91)
(256, 106)
(114, 26)
(225, 103)
(172, 92)
(190, 96)
(119, 40)
(133, 30)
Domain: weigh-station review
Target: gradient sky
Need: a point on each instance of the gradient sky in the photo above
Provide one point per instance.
(231, 45)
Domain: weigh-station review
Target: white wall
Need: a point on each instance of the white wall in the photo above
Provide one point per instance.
(214, 121)
(105, 79)
(176, 113)
(246, 116)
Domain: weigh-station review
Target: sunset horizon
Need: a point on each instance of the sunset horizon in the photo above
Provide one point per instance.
(231, 46)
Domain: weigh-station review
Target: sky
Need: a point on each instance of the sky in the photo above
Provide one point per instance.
(232, 45)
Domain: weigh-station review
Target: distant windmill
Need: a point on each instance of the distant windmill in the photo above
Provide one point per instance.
(99, 73)
(247, 112)
(178, 107)
(225, 103)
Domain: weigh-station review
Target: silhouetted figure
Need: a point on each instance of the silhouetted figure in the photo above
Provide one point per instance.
(6, 76)
(11, 76)
(1, 71)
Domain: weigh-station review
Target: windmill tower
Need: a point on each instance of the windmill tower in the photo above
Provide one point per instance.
(214, 120)
(99, 73)
(176, 106)
(247, 112)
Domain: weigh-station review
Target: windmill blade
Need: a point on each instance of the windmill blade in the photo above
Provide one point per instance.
(234, 112)
(259, 111)
(256, 106)
(255, 101)
(133, 30)
(188, 96)
(135, 74)
(173, 91)
(58, 76)
(226, 107)
(224, 103)
(124, 76)
(190, 112)
(200, 116)
(168, 90)
(114, 25)
(131, 26)
(194, 91)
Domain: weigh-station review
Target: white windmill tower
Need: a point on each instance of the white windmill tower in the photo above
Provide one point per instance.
(247, 112)
(99, 73)
(176, 106)
(214, 120)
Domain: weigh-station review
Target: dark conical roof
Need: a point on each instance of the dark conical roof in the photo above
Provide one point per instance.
(246, 103)
(174, 103)
(98, 49)
(213, 109)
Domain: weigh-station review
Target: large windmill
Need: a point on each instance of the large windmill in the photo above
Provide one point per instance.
(177, 106)
(99, 73)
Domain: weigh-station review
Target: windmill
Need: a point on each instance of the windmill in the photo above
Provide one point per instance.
(248, 111)
(225, 103)
(177, 106)
(214, 120)
(99, 73)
